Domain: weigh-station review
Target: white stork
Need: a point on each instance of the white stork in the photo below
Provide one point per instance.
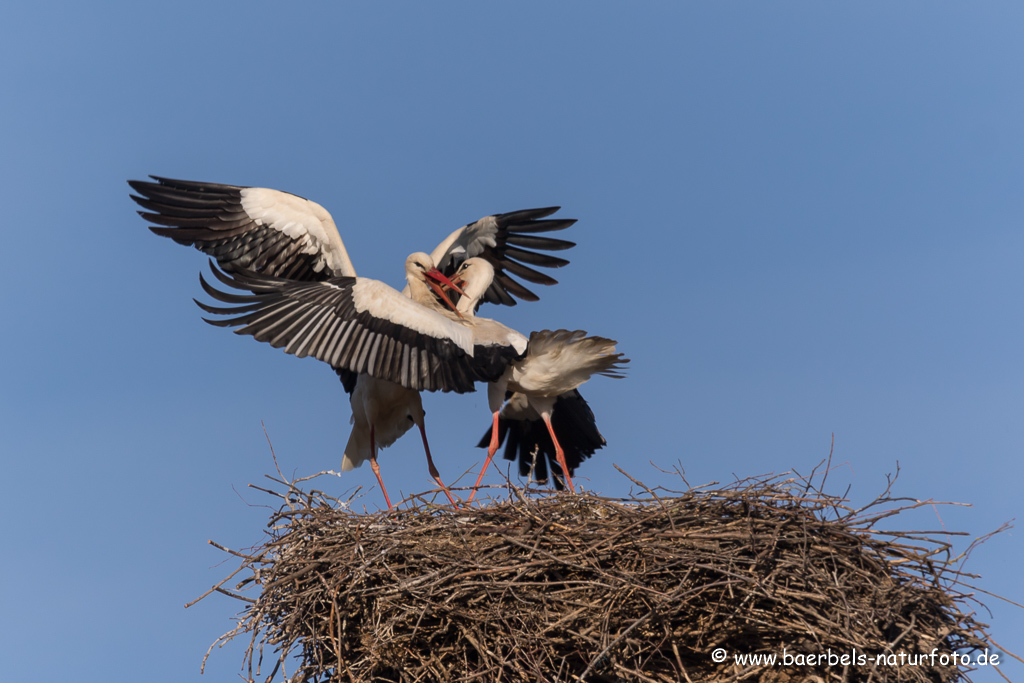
(383, 411)
(554, 365)
(396, 346)
(280, 234)
(373, 336)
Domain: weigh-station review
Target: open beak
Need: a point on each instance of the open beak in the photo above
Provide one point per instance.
(437, 281)
(440, 277)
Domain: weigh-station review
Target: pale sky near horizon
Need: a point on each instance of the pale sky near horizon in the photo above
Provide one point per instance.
(798, 219)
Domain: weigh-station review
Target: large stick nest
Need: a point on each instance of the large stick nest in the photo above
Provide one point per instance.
(563, 587)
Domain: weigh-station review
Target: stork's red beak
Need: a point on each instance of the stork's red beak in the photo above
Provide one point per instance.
(433, 277)
(443, 279)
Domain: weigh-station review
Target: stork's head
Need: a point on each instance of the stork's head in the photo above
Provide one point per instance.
(417, 264)
(474, 276)
(420, 270)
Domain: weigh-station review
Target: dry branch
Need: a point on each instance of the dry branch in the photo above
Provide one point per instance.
(562, 587)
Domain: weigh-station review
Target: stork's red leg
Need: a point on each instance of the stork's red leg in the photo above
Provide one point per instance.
(559, 453)
(491, 450)
(376, 468)
(433, 470)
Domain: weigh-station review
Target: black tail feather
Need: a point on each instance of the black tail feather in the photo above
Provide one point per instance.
(528, 440)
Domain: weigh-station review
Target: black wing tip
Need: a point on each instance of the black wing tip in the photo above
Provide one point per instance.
(520, 257)
(216, 323)
(530, 214)
(548, 224)
(143, 185)
(236, 279)
(163, 182)
(525, 241)
(217, 294)
(530, 224)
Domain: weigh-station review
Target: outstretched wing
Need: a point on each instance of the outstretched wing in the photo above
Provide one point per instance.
(247, 228)
(509, 241)
(353, 324)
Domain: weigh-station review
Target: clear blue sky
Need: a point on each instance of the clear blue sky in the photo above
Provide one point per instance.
(798, 219)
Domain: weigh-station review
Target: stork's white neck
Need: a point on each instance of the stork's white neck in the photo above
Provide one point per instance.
(477, 275)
